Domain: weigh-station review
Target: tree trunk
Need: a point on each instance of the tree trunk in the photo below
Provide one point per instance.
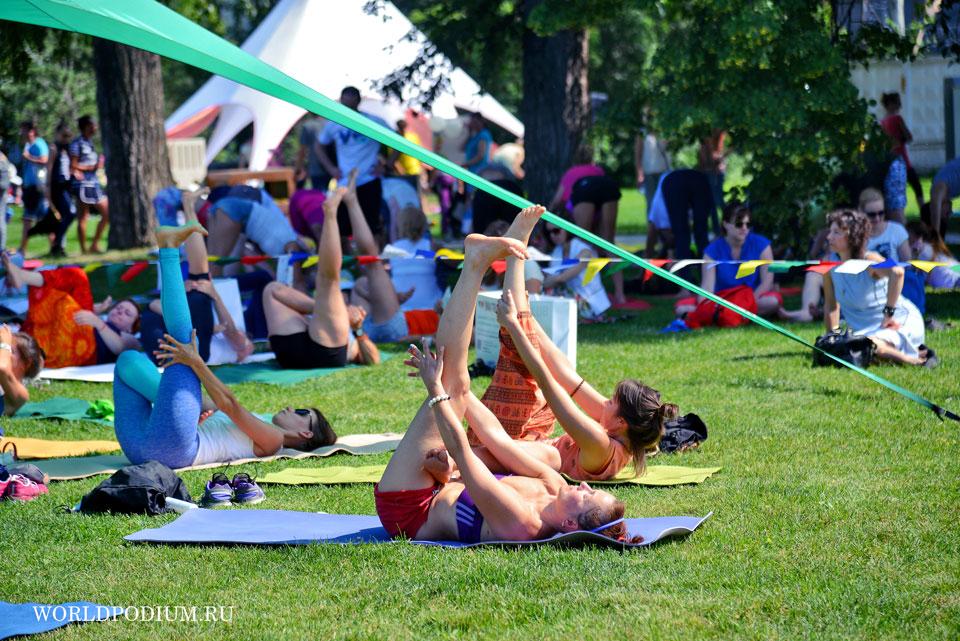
(555, 108)
(130, 103)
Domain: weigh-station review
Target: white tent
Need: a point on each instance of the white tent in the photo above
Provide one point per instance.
(327, 46)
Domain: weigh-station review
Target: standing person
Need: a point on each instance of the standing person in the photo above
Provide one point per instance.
(476, 149)
(355, 151)
(712, 161)
(35, 155)
(946, 187)
(84, 163)
(308, 163)
(652, 161)
(896, 129)
(5, 167)
(686, 191)
(59, 187)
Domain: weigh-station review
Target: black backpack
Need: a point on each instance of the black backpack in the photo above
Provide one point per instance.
(856, 350)
(682, 433)
(136, 489)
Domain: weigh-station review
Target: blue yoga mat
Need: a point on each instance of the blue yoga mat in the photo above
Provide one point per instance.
(19, 619)
(281, 527)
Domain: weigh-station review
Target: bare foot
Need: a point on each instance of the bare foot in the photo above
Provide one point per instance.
(437, 464)
(188, 202)
(481, 251)
(240, 344)
(522, 226)
(175, 236)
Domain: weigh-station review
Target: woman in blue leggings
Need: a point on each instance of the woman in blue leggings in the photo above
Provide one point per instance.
(158, 416)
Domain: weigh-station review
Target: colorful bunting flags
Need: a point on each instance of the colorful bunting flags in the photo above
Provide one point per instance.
(747, 267)
(594, 265)
(135, 270)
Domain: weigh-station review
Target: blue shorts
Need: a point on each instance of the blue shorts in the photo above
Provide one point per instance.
(236, 209)
(390, 332)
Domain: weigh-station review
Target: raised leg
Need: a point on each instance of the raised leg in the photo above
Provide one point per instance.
(224, 233)
(384, 304)
(330, 325)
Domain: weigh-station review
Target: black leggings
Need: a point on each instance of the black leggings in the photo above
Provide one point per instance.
(685, 190)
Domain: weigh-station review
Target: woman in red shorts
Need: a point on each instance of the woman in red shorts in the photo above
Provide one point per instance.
(415, 497)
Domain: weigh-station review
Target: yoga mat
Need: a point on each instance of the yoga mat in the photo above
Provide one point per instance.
(38, 448)
(282, 527)
(67, 409)
(659, 475)
(271, 373)
(22, 619)
(68, 469)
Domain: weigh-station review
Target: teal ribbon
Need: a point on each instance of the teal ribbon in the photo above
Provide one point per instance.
(152, 27)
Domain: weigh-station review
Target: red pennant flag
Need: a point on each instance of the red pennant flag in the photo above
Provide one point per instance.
(367, 260)
(656, 262)
(499, 266)
(823, 267)
(253, 260)
(135, 270)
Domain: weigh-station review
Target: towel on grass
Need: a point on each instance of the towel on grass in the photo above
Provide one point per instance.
(283, 527)
(659, 475)
(68, 469)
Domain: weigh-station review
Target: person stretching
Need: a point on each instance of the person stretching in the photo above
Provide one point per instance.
(534, 384)
(534, 502)
(302, 341)
(158, 415)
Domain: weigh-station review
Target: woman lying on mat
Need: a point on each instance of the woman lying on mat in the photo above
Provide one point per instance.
(414, 498)
(65, 321)
(158, 416)
(20, 358)
(322, 331)
(871, 299)
(534, 384)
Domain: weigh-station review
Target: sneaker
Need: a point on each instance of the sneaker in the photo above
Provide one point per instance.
(21, 488)
(245, 490)
(218, 492)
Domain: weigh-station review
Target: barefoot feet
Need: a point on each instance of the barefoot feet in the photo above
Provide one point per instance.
(480, 251)
(437, 464)
(175, 236)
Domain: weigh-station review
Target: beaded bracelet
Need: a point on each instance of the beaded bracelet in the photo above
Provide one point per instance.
(437, 399)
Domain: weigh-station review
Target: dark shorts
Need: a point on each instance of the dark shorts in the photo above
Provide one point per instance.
(299, 351)
(596, 190)
(89, 192)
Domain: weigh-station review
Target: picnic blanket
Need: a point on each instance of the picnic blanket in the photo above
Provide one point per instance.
(38, 448)
(659, 475)
(282, 527)
(68, 469)
(67, 409)
(22, 619)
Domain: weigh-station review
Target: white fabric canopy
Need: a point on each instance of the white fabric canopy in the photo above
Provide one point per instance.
(326, 46)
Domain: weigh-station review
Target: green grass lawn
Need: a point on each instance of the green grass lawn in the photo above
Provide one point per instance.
(834, 516)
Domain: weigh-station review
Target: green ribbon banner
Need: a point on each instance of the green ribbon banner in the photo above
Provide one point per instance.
(150, 26)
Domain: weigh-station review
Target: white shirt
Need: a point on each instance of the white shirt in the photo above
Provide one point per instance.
(888, 242)
(655, 158)
(221, 441)
(593, 292)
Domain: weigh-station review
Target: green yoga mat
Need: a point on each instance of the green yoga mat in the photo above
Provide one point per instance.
(658, 475)
(67, 409)
(270, 373)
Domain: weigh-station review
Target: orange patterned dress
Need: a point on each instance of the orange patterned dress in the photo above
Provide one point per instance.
(64, 292)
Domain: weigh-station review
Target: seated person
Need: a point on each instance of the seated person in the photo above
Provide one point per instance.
(65, 322)
(870, 300)
(158, 416)
(927, 245)
(20, 358)
(534, 384)
(202, 299)
(414, 274)
(416, 499)
(592, 298)
(737, 243)
(308, 333)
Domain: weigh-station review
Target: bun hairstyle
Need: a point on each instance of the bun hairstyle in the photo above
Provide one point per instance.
(595, 517)
(855, 224)
(640, 407)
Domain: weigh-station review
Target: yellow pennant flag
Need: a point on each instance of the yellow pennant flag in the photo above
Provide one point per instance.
(89, 267)
(747, 267)
(593, 268)
(310, 261)
(449, 254)
(927, 265)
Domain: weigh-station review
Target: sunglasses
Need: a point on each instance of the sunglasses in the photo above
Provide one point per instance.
(743, 224)
(554, 231)
(874, 214)
(305, 412)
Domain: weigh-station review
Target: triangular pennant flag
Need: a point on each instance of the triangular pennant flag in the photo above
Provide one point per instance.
(310, 262)
(656, 262)
(593, 268)
(927, 265)
(783, 266)
(368, 260)
(90, 267)
(823, 267)
(680, 264)
(253, 260)
(854, 266)
(886, 264)
(449, 254)
(423, 253)
(499, 266)
(135, 270)
(747, 267)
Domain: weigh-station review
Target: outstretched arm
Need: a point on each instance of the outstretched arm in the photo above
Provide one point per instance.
(593, 440)
(267, 440)
(14, 392)
(502, 508)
